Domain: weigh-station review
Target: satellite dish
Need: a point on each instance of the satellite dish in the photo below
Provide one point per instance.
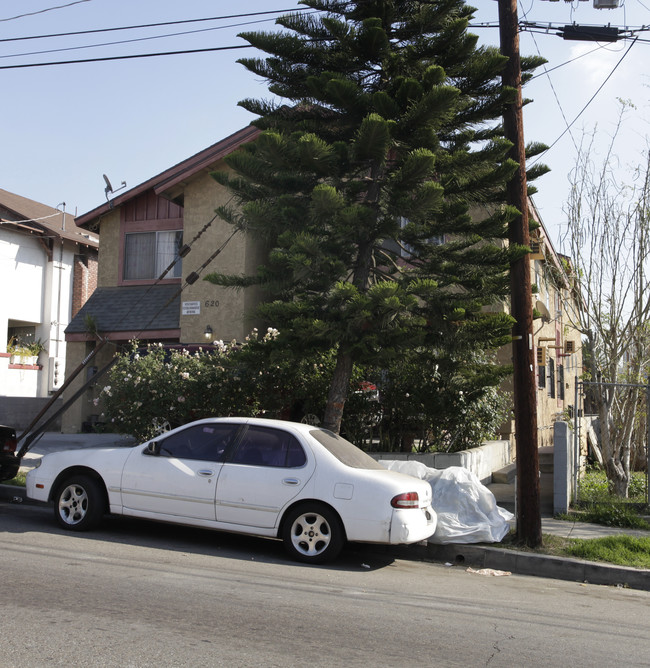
(109, 187)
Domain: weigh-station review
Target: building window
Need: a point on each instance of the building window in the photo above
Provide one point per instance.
(148, 254)
(405, 250)
(560, 381)
(551, 378)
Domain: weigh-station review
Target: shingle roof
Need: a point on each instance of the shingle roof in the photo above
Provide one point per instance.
(130, 309)
(41, 219)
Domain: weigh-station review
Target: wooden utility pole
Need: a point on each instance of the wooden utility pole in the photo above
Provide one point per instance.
(529, 523)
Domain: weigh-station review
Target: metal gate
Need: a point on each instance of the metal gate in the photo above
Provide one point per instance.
(579, 419)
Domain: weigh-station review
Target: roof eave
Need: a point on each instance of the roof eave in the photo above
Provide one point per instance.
(164, 183)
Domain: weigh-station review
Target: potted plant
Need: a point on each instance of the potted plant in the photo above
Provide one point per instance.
(34, 350)
(14, 349)
(24, 353)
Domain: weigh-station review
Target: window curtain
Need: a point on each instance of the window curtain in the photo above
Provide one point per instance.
(167, 247)
(139, 255)
(148, 254)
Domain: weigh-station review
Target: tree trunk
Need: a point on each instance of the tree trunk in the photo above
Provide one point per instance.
(618, 479)
(615, 442)
(338, 392)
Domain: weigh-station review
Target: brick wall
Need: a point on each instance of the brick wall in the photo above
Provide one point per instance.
(84, 280)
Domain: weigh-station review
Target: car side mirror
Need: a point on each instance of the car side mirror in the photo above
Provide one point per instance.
(152, 449)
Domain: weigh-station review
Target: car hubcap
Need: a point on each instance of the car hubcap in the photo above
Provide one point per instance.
(73, 504)
(310, 534)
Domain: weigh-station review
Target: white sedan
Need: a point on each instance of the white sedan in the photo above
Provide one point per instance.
(305, 485)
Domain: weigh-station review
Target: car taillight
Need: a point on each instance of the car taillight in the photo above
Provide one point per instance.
(9, 445)
(406, 500)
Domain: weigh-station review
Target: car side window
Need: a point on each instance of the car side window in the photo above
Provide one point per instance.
(261, 446)
(206, 442)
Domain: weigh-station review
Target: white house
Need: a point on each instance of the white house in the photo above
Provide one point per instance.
(48, 269)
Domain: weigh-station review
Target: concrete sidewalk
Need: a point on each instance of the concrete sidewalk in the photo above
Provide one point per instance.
(493, 558)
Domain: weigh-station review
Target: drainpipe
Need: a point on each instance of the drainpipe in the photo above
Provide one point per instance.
(58, 305)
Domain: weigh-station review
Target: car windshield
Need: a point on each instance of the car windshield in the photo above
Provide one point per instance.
(344, 451)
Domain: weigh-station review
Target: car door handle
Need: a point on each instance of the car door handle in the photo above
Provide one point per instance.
(205, 473)
(291, 481)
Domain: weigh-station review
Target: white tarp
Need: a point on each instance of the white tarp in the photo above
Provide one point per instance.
(467, 510)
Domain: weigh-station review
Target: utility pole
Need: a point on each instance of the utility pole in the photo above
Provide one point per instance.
(529, 522)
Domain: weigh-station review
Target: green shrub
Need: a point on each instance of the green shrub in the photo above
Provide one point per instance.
(614, 515)
(152, 388)
(594, 488)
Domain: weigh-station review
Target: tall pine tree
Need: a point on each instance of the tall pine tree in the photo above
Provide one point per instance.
(382, 141)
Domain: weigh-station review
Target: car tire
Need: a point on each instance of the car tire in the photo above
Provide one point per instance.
(313, 533)
(79, 503)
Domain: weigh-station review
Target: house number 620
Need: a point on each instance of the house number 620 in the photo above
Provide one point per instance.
(211, 302)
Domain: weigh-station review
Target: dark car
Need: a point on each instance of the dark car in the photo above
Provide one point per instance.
(9, 463)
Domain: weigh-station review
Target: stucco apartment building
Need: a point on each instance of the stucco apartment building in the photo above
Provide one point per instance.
(48, 269)
(144, 228)
(556, 340)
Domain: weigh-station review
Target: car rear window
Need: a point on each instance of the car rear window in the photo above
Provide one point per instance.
(344, 451)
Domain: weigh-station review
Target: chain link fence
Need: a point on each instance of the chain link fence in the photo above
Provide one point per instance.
(589, 485)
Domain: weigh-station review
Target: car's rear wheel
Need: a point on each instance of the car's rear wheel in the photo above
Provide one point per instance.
(79, 503)
(313, 533)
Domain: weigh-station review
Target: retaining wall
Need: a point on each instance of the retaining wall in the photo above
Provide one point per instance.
(18, 412)
(482, 461)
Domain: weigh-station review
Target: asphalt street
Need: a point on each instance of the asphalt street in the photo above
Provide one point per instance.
(140, 594)
(492, 557)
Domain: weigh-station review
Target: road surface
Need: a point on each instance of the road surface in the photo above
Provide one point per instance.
(143, 594)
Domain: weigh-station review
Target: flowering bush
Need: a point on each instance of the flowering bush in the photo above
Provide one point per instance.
(153, 388)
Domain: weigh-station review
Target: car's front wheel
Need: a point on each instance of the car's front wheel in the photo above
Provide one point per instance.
(79, 503)
(313, 533)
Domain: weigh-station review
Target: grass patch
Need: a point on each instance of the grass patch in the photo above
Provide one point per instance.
(608, 514)
(594, 489)
(597, 505)
(620, 550)
(18, 481)
(554, 545)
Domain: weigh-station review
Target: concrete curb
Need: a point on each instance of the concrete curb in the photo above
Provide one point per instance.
(11, 493)
(481, 556)
(526, 563)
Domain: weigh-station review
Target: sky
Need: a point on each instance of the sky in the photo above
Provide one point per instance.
(64, 126)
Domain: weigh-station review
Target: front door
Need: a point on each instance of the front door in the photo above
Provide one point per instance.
(179, 481)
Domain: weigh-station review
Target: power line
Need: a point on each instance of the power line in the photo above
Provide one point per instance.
(140, 55)
(149, 25)
(566, 62)
(43, 11)
(591, 99)
(131, 41)
(523, 26)
(555, 95)
(550, 28)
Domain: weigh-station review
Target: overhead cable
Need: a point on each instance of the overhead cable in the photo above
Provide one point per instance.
(43, 11)
(137, 55)
(591, 99)
(151, 25)
(131, 41)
